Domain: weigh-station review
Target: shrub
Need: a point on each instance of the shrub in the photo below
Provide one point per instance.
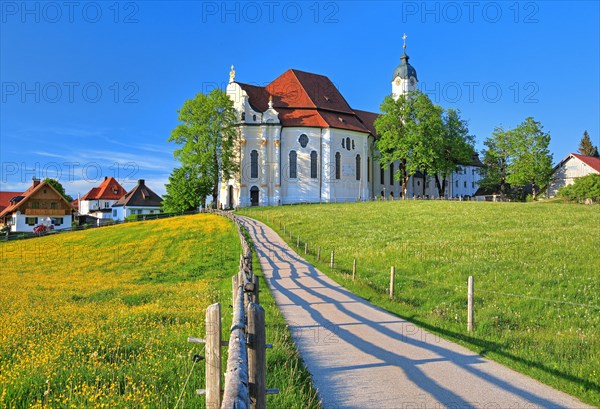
(587, 187)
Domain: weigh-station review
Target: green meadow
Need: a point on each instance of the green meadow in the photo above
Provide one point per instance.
(100, 318)
(536, 268)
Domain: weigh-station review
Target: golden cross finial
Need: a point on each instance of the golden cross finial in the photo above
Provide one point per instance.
(404, 38)
(231, 74)
(270, 101)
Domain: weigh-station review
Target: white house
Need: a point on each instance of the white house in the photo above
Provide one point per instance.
(302, 142)
(40, 204)
(99, 200)
(571, 167)
(139, 200)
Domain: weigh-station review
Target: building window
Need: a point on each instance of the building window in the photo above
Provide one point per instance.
(343, 143)
(352, 144)
(57, 221)
(254, 118)
(243, 116)
(473, 185)
(303, 140)
(34, 204)
(53, 205)
(465, 183)
(293, 165)
(106, 205)
(427, 184)
(357, 167)
(382, 175)
(313, 164)
(348, 143)
(114, 213)
(31, 221)
(456, 183)
(368, 169)
(391, 174)
(338, 165)
(254, 164)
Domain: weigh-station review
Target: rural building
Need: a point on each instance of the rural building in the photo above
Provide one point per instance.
(98, 202)
(571, 167)
(139, 200)
(40, 204)
(302, 142)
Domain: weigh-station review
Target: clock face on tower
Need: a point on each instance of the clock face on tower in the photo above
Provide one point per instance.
(397, 81)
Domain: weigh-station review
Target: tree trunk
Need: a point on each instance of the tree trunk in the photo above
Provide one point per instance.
(424, 182)
(404, 179)
(533, 191)
(441, 186)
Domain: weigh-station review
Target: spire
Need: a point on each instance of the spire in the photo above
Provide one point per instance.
(231, 74)
(270, 101)
(404, 37)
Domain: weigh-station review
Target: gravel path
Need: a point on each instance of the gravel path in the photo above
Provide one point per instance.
(360, 356)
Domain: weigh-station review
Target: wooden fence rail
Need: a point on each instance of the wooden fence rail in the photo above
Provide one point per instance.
(245, 375)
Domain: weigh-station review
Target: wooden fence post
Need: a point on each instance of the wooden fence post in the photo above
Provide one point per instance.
(284, 229)
(306, 248)
(354, 270)
(213, 356)
(298, 241)
(332, 261)
(256, 290)
(234, 286)
(392, 274)
(257, 363)
(470, 312)
(318, 253)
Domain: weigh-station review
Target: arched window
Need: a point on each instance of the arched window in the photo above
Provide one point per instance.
(254, 164)
(357, 167)
(293, 165)
(338, 165)
(368, 169)
(352, 144)
(343, 143)
(348, 143)
(243, 116)
(391, 174)
(313, 164)
(254, 118)
(303, 140)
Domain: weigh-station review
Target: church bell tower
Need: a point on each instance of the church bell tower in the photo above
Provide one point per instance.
(404, 78)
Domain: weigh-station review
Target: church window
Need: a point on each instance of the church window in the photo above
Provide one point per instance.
(357, 167)
(254, 118)
(456, 183)
(348, 143)
(254, 164)
(243, 116)
(382, 175)
(353, 144)
(343, 143)
(473, 185)
(313, 164)
(465, 183)
(427, 184)
(392, 174)
(303, 140)
(368, 169)
(338, 165)
(293, 165)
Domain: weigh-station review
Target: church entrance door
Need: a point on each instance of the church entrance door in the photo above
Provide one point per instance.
(230, 197)
(254, 196)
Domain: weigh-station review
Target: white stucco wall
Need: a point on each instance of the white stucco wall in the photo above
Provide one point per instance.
(566, 173)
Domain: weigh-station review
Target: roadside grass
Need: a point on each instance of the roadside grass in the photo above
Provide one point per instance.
(536, 268)
(100, 318)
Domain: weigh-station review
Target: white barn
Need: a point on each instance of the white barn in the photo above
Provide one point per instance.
(301, 142)
(571, 167)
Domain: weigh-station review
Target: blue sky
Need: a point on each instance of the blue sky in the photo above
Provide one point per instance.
(91, 89)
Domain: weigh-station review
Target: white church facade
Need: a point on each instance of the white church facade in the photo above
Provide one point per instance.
(301, 142)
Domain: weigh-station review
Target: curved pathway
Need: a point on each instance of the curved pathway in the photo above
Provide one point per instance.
(360, 356)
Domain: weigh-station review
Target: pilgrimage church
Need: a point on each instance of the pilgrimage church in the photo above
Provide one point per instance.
(301, 142)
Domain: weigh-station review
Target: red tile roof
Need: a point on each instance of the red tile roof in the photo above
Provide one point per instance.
(106, 191)
(29, 192)
(5, 197)
(306, 99)
(591, 161)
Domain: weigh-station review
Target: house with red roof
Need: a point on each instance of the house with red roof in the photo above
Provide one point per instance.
(571, 167)
(40, 204)
(301, 141)
(99, 200)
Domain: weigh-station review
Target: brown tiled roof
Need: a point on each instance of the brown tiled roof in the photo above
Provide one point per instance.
(140, 195)
(106, 191)
(27, 194)
(5, 197)
(306, 99)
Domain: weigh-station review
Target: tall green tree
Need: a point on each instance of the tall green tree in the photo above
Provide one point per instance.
(586, 147)
(407, 129)
(496, 158)
(453, 147)
(530, 157)
(208, 138)
(186, 190)
(59, 187)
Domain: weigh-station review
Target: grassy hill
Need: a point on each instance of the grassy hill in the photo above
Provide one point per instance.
(536, 268)
(100, 318)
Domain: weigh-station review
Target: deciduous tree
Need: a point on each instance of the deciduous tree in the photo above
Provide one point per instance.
(186, 190)
(59, 187)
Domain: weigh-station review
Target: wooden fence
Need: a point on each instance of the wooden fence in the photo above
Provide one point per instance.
(245, 375)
